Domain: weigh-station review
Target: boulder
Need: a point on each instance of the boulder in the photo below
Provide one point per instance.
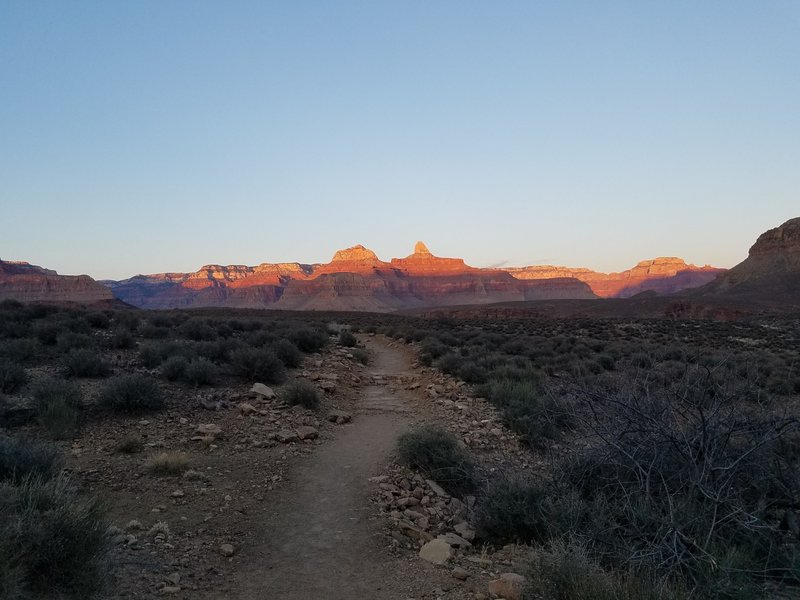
(259, 390)
(510, 586)
(436, 551)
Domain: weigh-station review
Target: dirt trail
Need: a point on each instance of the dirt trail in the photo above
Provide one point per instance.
(318, 540)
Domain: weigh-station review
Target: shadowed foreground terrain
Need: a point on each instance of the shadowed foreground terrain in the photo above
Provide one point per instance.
(238, 454)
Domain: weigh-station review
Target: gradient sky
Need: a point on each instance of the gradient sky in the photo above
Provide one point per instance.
(140, 137)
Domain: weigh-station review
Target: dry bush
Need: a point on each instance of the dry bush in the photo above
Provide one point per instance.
(168, 463)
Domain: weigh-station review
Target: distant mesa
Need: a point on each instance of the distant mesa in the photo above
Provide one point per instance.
(30, 283)
(356, 253)
(357, 279)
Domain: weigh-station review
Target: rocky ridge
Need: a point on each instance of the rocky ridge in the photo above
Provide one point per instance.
(664, 275)
(770, 275)
(355, 279)
(24, 282)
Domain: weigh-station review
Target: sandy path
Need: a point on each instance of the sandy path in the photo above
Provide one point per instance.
(318, 540)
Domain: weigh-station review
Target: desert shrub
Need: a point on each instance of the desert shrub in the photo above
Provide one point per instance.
(438, 455)
(122, 339)
(197, 330)
(218, 351)
(153, 354)
(128, 320)
(173, 368)
(153, 332)
(346, 338)
(513, 509)
(685, 463)
(98, 320)
(260, 338)
(22, 457)
(84, 362)
(70, 340)
(564, 570)
(47, 333)
(132, 394)
(12, 376)
(302, 393)
(450, 363)
(534, 415)
(606, 361)
(289, 354)
(130, 444)
(51, 540)
(360, 355)
(167, 463)
(260, 365)
(19, 351)
(58, 406)
(200, 372)
(308, 340)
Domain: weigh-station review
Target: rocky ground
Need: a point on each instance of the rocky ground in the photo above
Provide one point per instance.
(232, 493)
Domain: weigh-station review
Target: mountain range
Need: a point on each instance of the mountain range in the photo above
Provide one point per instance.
(354, 279)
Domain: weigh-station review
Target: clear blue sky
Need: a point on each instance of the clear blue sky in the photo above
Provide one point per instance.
(139, 137)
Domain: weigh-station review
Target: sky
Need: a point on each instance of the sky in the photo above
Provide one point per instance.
(143, 137)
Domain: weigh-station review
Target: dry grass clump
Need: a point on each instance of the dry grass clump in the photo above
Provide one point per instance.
(168, 463)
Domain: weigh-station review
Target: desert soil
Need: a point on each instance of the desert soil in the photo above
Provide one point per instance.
(300, 517)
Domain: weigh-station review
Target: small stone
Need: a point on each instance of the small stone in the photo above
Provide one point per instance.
(339, 417)
(328, 386)
(509, 586)
(246, 408)
(307, 433)
(178, 494)
(170, 589)
(460, 574)
(285, 436)
(174, 578)
(227, 550)
(262, 391)
(209, 430)
(437, 489)
(437, 552)
(465, 531)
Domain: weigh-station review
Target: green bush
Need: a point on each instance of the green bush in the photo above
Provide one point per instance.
(173, 368)
(84, 362)
(71, 340)
(308, 340)
(346, 338)
(19, 351)
(200, 372)
(289, 354)
(536, 417)
(261, 365)
(58, 406)
(47, 333)
(122, 339)
(360, 355)
(565, 571)
(22, 457)
(438, 455)
(132, 394)
(12, 376)
(302, 393)
(53, 542)
(198, 330)
(98, 320)
(513, 509)
(152, 354)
